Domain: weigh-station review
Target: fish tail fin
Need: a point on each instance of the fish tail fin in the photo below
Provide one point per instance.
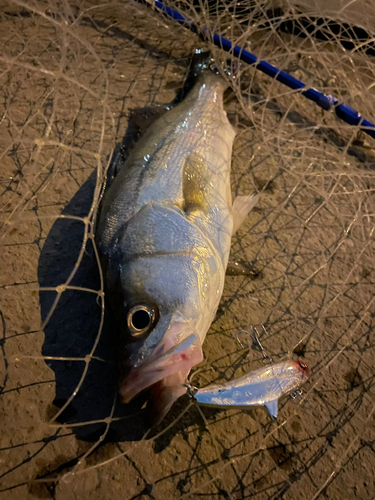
(201, 63)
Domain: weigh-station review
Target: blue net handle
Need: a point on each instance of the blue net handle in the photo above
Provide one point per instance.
(327, 102)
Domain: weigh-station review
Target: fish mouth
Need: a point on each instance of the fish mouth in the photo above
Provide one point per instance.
(171, 366)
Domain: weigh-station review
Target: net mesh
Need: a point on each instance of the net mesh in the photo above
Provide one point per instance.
(71, 74)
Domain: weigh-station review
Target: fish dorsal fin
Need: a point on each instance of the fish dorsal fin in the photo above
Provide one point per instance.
(242, 205)
(195, 182)
(272, 407)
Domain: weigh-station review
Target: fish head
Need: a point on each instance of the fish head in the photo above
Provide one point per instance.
(161, 300)
(163, 281)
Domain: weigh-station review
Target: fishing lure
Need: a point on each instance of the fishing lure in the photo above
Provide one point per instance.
(260, 387)
(263, 386)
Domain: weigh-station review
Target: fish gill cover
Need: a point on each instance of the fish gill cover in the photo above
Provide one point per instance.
(77, 77)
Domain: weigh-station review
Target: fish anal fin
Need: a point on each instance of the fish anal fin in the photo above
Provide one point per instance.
(272, 407)
(242, 206)
(240, 268)
(194, 184)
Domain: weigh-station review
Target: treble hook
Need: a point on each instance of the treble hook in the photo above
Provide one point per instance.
(305, 403)
(296, 394)
(255, 336)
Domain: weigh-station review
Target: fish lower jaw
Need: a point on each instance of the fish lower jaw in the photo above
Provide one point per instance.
(172, 370)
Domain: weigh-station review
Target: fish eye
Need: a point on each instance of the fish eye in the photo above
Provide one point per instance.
(302, 366)
(140, 319)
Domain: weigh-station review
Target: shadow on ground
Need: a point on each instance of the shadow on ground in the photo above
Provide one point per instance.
(73, 328)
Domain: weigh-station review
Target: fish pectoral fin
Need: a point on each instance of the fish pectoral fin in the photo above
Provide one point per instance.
(272, 407)
(196, 176)
(242, 206)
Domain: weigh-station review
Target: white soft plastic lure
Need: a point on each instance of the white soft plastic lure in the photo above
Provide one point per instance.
(260, 387)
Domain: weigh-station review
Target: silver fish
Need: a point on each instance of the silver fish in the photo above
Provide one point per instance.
(164, 236)
(260, 387)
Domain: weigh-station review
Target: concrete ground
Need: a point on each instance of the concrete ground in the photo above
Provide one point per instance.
(71, 74)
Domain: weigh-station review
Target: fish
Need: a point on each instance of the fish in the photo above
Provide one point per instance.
(164, 234)
(263, 386)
